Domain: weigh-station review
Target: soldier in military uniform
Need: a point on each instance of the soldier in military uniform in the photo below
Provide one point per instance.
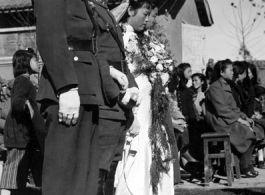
(112, 118)
(75, 80)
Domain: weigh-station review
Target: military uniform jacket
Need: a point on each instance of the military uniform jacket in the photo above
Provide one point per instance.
(112, 51)
(59, 21)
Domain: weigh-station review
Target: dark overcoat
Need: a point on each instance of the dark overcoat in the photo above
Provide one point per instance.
(64, 38)
(58, 23)
(19, 131)
(222, 115)
(111, 49)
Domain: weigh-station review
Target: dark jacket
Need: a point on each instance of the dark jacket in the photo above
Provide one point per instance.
(245, 98)
(185, 103)
(112, 50)
(222, 115)
(59, 22)
(19, 130)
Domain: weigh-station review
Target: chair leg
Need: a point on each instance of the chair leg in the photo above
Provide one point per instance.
(236, 164)
(206, 163)
(232, 167)
(228, 162)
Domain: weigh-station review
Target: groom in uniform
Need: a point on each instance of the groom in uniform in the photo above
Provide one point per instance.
(112, 117)
(75, 80)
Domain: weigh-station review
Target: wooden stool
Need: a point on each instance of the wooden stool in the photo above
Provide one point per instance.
(230, 159)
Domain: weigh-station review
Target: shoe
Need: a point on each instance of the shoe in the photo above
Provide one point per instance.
(261, 165)
(247, 173)
(252, 170)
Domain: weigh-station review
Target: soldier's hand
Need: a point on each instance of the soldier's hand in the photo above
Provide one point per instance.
(120, 77)
(69, 104)
(130, 97)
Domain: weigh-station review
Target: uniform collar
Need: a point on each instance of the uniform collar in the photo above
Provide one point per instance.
(102, 3)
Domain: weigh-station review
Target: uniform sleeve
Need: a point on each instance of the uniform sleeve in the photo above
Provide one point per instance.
(52, 43)
(223, 110)
(19, 97)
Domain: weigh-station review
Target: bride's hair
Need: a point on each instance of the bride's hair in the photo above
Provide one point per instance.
(135, 5)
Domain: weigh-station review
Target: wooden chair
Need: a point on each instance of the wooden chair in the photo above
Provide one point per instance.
(230, 159)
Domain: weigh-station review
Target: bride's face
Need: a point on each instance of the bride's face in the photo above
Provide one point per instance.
(139, 17)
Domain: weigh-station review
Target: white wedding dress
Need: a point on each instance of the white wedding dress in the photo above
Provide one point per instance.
(133, 172)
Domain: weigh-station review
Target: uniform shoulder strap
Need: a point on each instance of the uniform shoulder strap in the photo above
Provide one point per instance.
(95, 27)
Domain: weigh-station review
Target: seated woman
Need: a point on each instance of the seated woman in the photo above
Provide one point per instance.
(259, 114)
(222, 115)
(199, 86)
(182, 96)
(244, 94)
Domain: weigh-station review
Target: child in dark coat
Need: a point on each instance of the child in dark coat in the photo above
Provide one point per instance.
(23, 150)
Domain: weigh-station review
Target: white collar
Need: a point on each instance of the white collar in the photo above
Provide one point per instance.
(128, 28)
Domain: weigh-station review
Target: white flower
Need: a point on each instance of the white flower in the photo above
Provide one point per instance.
(158, 48)
(170, 68)
(152, 45)
(168, 61)
(159, 67)
(132, 46)
(149, 53)
(153, 59)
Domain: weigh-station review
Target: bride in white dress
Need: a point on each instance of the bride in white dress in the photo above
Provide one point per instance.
(134, 175)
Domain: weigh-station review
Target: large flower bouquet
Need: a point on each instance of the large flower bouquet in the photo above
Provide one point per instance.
(150, 55)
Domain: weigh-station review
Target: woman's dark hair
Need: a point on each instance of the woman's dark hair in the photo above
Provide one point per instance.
(253, 69)
(208, 72)
(173, 81)
(135, 5)
(202, 77)
(21, 61)
(219, 67)
(182, 80)
(239, 68)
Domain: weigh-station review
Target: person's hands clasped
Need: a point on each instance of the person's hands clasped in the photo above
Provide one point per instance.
(130, 97)
(244, 122)
(120, 77)
(251, 122)
(69, 104)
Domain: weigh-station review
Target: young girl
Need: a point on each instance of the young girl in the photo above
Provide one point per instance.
(222, 115)
(184, 97)
(19, 135)
(199, 85)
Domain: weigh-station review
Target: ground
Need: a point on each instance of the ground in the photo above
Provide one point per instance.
(242, 186)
